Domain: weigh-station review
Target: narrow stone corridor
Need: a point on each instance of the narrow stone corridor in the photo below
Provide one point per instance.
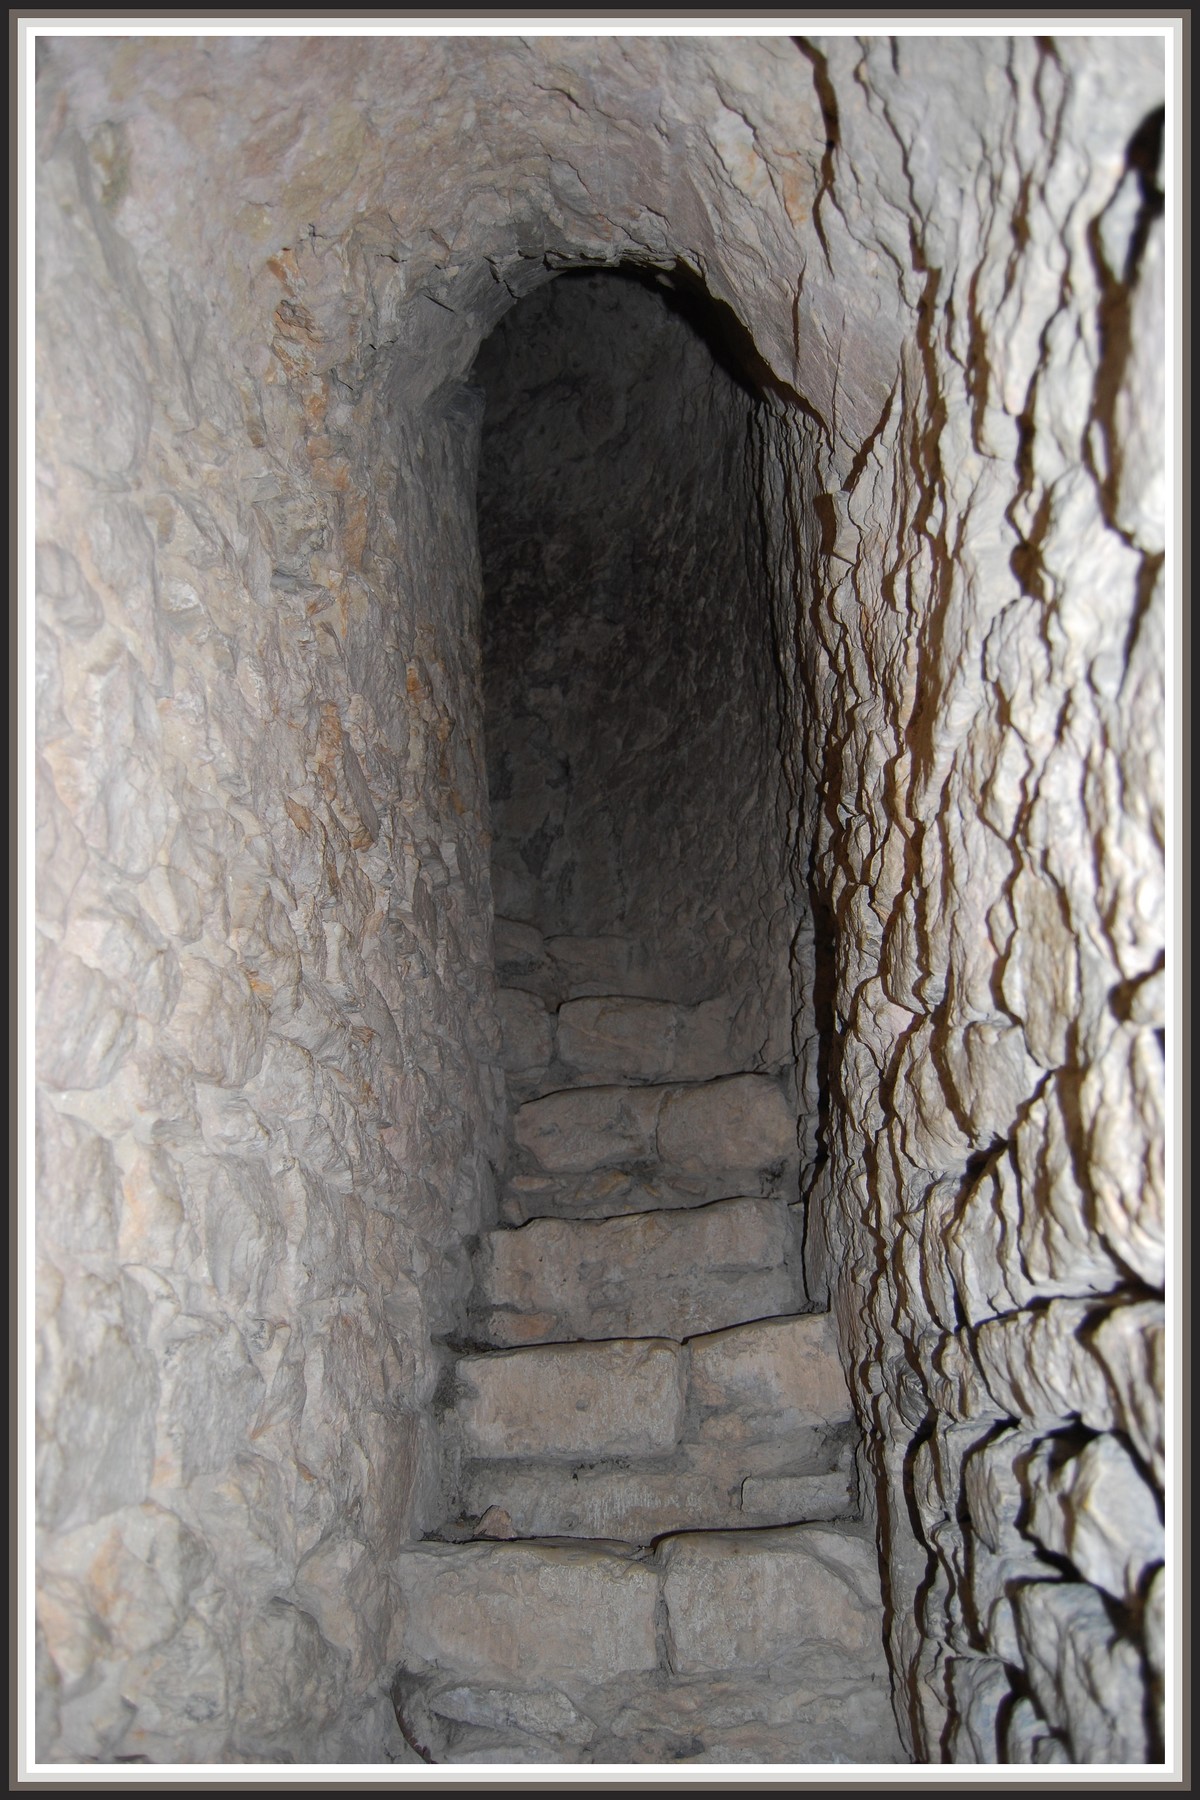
(650, 1436)
(601, 963)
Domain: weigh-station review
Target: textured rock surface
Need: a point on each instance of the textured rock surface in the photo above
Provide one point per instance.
(675, 1273)
(617, 1399)
(589, 1042)
(683, 1656)
(598, 1152)
(268, 1053)
(741, 1429)
(735, 1599)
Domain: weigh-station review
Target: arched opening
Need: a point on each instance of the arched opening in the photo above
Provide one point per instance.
(641, 869)
(644, 1361)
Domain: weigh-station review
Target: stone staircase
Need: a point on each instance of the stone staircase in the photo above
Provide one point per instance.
(652, 1550)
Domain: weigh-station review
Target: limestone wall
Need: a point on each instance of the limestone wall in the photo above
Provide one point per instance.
(266, 1047)
(265, 1034)
(981, 645)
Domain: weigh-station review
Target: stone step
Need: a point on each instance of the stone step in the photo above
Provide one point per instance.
(633, 1439)
(710, 1133)
(606, 1193)
(585, 1653)
(663, 1274)
(704, 1490)
(564, 967)
(613, 1039)
(572, 1400)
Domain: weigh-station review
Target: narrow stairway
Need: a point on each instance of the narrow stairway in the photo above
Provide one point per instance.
(652, 1550)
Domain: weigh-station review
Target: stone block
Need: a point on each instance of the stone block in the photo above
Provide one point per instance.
(1038, 1368)
(518, 944)
(521, 960)
(634, 1505)
(786, 1371)
(616, 1399)
(548, 1715)
(735, 1598)
(706, 1489)
(523, 1614)
(1130, 1344)
(741, 1122)
(704, 1047)
(618, 1039)
(803, 1712)
(1087, 1679)
(589, 1128)
(1096, 1510)
(527, 1031)
(590, 965)
(789, 1499)
(606, 1193)
(651, 1274)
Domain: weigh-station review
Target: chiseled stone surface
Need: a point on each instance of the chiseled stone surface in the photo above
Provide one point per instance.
(623, 1039)
(641, 1501)
(1083, 1670)
(527, 1041)
(715, 1128)
(1096, 1509)
(783, 1372)
(735, 1599)
(742, 1122)
(646, 1660)
(616, 1038)
(668, 1274)
(268, 1053)
(616, 1399)
(747, 1428)
(607, 1193)
(595, 1128)
(524, 1613)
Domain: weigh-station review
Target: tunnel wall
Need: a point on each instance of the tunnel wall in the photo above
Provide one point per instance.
(264, 1040)
(981, 634)
(269, 1085)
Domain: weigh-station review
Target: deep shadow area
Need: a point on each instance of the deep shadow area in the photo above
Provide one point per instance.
(632, 704)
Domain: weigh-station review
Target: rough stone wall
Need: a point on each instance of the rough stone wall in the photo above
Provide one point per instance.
(981, 655)
(265, 1042)
(264, 1026)
(631, 700)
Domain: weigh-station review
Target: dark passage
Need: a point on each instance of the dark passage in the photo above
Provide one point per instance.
(632, 708)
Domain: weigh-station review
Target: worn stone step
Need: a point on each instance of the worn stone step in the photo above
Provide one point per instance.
(667, 1274)
(732, 1134)
(614, 1039)
(744, 1646)
(702, 1489)
(524, 1615)
(607, 1193)
(633, 1439)
(572, 1400)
